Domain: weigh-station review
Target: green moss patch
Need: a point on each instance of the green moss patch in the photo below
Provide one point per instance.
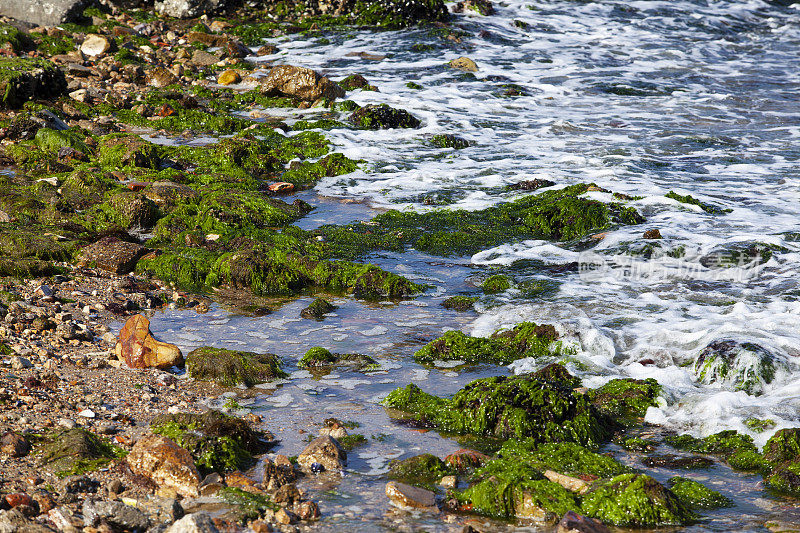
(687, 199)
(460, 303)
(423, 470)
(75, 451)
(695, 495)
(626, 399)
(24, 79)
(320, 358)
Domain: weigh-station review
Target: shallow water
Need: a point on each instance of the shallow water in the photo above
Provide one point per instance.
(641, 98)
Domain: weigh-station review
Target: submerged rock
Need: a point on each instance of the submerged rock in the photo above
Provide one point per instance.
(317, 310)
(422, 470)
(231, 367)
(318, 357)
(408, 497)
(696, 495)
(139, 349)
(744, 366)
(460, 303)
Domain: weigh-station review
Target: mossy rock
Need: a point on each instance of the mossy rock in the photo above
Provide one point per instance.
(395, 14)
(743, 366)
(82, 189)
(724, 443)
(305, 175)
(626, 400)
(558, 373)
(563, 457)
(318, 309)
(230, 367)
(507, 407)
(352, 441)
(496, 284)
(782, 457)
(128, 210)
(460, 303)
(423, 470)
(24, 79)
(688, 199)
(504, 346)
(52, 140)
(124, 151)
(321, 358)
(378, 117)
(248, 505)
(75, 451)
(636, 500)
(217, 442)
(448, 140)
(695, 495)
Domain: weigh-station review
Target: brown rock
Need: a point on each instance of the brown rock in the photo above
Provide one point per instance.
(45, 501)
(572, 522)
(14, 444)
(229, 77)
(287, 494)
(652, 234)
(139, 349)
(282, 516)
(267, 50)
(325, 451)
(19, 498)
(276, 476)
(464, 64)
(572, 484)
(201, 58)
(307, 511)
(300, 82)
(167, 464)
(113, 255)
(260, 526)
(161, 77)
(408, 497)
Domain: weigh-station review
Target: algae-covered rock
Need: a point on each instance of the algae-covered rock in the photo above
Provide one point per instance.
(782, 455)
(120, 151)
(739, 365)
(422, 470)
(635, 500)
(504, 346)
(378, 117)
(507, 407)
(626, 400)
(317, 310)
(217, 442)
(318, 357)
(24, 79)
(723, 443)
(495, 284)
(695, 495)
(460, 303)
(74, 451)
(232, 367)
(448, 140)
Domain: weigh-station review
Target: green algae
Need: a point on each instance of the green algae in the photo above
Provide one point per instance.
(381, 116)
(318, 309)
(566, 458)
(460, 303)
(306, 174)
(217, 442)
(318, 357)
(352, 441)
(744, 366)
(506, 407)
(723, 443)
(249, 505)
(635, 500)
(496, 284)
(423, 470)
(22, 79)
(504, 346)
(695, 495)
(231, 367)
(557, 215)
(503, 498)
(626, 399)
(448, 140)
(687, 199)
(75, 451)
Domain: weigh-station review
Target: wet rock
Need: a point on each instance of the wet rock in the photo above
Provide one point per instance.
(276, 476)
(74, 449)
(572, 522)
(113, 255)
(14, 444)
(377, 117)
(96, 46)
(166, 464)
(739, 365)
(321, 358)
(652, 234)
(425, 469)
(25, 79)
(230, 367)
(672, 461)
(484, 7)
(186, 9)
(14, 521)
(169, 194)
(194, 523)
(317, 309)
(116, 514)
(464, 64)
(570, 483)
(229, 77)
(161, 77)
(696, 495)
(300, 82)
(139, 349)
(409, 497)
(626, 400)
(48, 13)
(325, 451)
(448, 140)
(129, 151)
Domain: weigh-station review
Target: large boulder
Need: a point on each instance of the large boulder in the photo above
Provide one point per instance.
(300, 82)
(166, 464)
(139, 349)
(744, 366)
(231, 367)
(43, 12)
(186, 9)
(24, 79)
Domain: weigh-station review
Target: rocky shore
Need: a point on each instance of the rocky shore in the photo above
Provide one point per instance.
(110, 211)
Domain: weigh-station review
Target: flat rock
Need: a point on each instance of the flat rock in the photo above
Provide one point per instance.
(96, 45)
(43, 12)
(410, 497)
(116, 514)
(139, 349)
(167, 464)
(113, 255)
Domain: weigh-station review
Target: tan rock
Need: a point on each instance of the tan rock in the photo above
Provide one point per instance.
(526, 507)
(300, 82)
(464, 64)
(139, 349)
(325, 451)
(449, 482)
(161, 77)
(229, 77)
(167, 464)
(96, 45)
(572, 484)
(408, 497)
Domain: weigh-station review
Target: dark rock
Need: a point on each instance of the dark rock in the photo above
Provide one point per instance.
(742, 366)
(377, 117)
(572, 522)
(14, 444)
(672, 461)
(25, 79)
(44, 12)
(231, 367)
(531, 185)
(116, 514)
(113, 255)
(317, 309)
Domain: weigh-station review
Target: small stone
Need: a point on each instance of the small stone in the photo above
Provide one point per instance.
(572, 484)
(113, 254)
(44, 291)
(96, 45)
(449, 482)
(281, 187)
(652, 234)
(229, 77)
(194, 523)
(260, 526)
(572, 522)
(14, 444)
(408, 497)
(464, 64)
(161, 77)
(87, 413)
(67, 423)
(20, 363)
(115, 486)
(324, 451)
(116, 514)
(19, 498)
(284, 517)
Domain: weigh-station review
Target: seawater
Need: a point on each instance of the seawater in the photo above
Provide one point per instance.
(641, 98)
